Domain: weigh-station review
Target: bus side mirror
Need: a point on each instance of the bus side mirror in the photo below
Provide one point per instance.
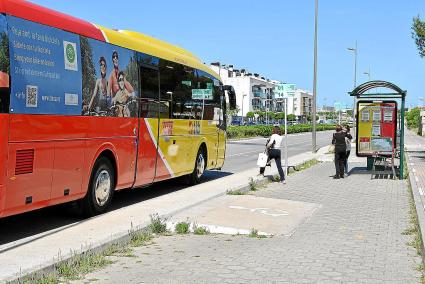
(232, 96)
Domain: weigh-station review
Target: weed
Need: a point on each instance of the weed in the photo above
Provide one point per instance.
(82, 264)
(118, 250)
(200, 230)
(138, 239)
(50, 278)
(236, 192)
(254, 234)
(182, 228)
(414, 230)
(307, 164)
(252, 184)
(275, 178)
(157, 225)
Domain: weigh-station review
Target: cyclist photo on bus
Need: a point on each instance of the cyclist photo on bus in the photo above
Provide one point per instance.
(101, 99)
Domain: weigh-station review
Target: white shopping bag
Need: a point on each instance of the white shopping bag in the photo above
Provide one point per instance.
(262, 160)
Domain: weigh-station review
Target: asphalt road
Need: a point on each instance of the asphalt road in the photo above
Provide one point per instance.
(240, 155)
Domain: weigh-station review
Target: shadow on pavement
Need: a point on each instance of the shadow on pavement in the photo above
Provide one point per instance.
(41, 222)
(364, 171)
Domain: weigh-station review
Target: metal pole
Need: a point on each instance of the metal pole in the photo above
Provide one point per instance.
(267, 120)
(313, 132)
(401, 175)
(243, 96)
(286, 137)
(355, 84)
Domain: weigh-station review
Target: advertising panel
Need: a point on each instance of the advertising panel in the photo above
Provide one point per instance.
(376, 127)
(4, 53)
(110, 79)
(46, 67)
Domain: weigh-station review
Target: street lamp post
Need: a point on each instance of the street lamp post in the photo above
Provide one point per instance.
(367, 73)
(313, 132)
(355, 84)
(243, 96)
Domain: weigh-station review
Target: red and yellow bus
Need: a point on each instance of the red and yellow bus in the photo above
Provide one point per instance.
(86, 110)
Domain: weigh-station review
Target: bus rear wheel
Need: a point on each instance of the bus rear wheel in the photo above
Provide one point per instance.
(198, 171)
(101, 188)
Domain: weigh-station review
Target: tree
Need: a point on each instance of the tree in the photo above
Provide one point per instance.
(291, 117)
(280, 115)
(132, 72)
(250, 114)
(4, 53)
(232, 112)
(412, 118)
(418, 34)
(89, 72)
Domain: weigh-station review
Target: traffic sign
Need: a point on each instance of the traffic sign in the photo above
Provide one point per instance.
(202, 94)
(283, 91)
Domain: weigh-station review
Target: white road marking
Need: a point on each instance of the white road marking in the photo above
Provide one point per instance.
(421, 192)
(264, 211)
(414, 170)
(416, 179)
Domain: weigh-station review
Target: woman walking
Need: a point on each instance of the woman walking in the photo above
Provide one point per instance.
(338, 139)
(273, 152)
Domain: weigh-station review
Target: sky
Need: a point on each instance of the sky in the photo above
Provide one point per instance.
(275, 38)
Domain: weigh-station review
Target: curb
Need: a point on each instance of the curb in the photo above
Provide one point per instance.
(124, 238)
(418, 204)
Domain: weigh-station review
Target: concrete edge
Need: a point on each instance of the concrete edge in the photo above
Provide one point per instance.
(418, 204)
(123, 238)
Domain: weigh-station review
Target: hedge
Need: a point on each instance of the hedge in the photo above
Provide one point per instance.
(266, 130)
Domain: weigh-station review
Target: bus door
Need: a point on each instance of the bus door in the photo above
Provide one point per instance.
(221, 130)
(148, 130)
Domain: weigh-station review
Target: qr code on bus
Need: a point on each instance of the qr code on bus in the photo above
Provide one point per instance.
(32, 96)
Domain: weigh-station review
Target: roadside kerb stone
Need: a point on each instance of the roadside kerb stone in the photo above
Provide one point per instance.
(87, 238)
(419, 206)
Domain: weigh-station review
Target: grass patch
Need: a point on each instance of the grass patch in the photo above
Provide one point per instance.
(307, 164)
(254, 234)
(252, 185)
(200, 230)
(158, 225)
(118, 250)
(236, 192)
(182, 228)
(50, 278)
(138, 239)
(414, 231)
(81, 264)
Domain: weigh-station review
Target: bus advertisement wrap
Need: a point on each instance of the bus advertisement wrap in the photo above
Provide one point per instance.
(4, 54)
(46, 67)
(110, 79)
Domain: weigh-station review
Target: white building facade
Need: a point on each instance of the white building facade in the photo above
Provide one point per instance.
(256, 93)
(253, 92)
(301, 104)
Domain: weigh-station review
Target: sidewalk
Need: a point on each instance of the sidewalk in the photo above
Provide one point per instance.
(415, 159)
(42, 253)
(354, 235)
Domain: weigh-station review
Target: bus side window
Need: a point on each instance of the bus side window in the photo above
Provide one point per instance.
(149, 101)
(212, 107)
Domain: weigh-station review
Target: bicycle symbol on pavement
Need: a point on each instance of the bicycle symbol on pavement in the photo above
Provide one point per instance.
(265, 211)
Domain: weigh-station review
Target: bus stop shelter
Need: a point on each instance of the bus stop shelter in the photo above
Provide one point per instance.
(363, 93)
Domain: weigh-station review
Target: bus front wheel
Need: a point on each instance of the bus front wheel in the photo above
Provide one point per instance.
(101, 188)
